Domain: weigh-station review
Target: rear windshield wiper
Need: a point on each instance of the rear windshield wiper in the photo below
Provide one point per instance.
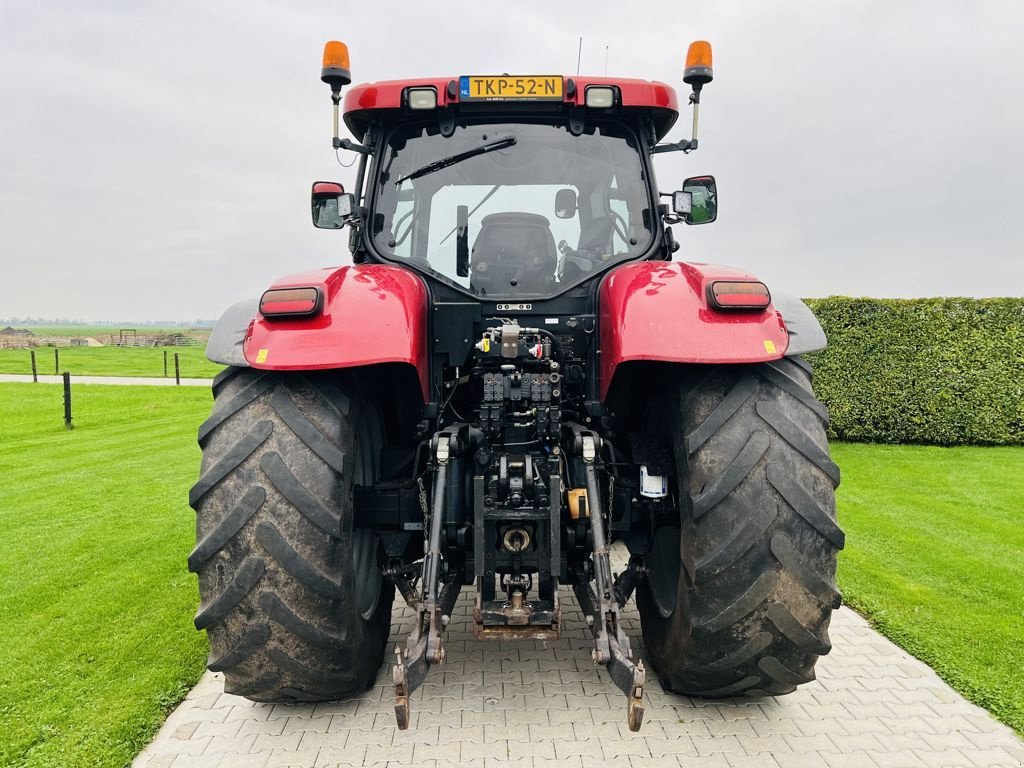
(444, 162)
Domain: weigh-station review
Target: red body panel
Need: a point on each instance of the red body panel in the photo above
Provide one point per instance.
(387, 94)
(372, 314)
(656, 310)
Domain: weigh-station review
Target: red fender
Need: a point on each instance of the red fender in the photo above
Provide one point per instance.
(371, 314)
(653, 310)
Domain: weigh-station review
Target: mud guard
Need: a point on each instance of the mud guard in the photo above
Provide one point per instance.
(805, 332)
(225, 344)
(371, 314)
(660, 311)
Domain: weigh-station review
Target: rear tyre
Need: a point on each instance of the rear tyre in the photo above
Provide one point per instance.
(292, 598)
(738, 598)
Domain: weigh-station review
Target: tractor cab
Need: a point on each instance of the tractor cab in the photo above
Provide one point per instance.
(507, 187)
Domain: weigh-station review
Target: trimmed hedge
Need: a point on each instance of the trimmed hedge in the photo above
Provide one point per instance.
(936, 371)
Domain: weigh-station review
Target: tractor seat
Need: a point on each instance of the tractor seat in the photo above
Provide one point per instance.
(513, 253)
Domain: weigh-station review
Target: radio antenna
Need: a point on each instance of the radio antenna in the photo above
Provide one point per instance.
(579, 58)
(606, 61)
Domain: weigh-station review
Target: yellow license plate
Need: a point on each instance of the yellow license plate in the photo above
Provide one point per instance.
(511, 88)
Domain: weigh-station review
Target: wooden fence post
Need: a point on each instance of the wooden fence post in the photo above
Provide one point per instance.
(67, 401)
(35, 374)
(56, 361)
(177, 370)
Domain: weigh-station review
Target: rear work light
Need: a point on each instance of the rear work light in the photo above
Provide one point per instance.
(729, 294)
(421, 98)
(290, 302)
(599, 96)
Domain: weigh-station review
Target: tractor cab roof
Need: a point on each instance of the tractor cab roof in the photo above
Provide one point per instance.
(391, 98)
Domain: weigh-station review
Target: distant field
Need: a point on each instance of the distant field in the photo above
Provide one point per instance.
(112, 361)
(104, 330)
(96, 603)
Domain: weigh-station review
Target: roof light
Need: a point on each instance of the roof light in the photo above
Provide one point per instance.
(698, 64)
(730, 294)
(421, 98)
(336, 71)
(600, 96)
(290, 302)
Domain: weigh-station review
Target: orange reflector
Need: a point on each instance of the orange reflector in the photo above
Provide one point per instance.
(698, 63)
(290, 302)
(336, 70)
(727, 294)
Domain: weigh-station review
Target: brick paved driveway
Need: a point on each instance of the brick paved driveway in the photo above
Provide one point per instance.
(530, 705)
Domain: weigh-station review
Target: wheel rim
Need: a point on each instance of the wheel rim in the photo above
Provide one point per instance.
(365, 544)
(663, 570)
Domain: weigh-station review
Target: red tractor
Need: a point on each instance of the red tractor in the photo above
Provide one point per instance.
(513, 374)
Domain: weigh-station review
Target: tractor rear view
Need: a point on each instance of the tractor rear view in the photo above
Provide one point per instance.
(512, 375)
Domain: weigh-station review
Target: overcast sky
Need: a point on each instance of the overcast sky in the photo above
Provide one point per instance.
(155, 157)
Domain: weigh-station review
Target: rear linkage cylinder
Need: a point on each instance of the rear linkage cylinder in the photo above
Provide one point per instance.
(611, 645)
(424, 646)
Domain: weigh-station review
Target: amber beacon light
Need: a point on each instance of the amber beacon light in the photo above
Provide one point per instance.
(698, 70)
(697, 74)
(336, 72)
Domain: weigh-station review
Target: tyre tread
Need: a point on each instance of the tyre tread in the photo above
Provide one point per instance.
(227, 528)
(734, 474)
(244, 579)
(307, 431)
(230, 460)
(299, 567)
(758, 535)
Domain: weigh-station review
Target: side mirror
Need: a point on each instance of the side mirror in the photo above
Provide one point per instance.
(565, 203)
(330, 205)
(697, 203)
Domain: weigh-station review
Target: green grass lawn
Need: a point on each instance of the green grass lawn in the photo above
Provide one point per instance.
(935, 559)
(96, 603)
(112, 361)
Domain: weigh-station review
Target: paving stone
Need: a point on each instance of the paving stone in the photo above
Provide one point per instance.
(904, 758)
(584, 747)
(946, 758)
(258, 760)
(751, 761)
(197, 761)
(666, 747)
(545, 705)
(717, 744)
(497, 750)
(854, 759)
(519, 749)
(267, 743)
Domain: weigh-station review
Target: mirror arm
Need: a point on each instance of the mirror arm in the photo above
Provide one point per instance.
(351, 146)
(686, 145)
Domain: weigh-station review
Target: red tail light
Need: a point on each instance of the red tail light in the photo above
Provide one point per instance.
(290, 302)
(729, 294)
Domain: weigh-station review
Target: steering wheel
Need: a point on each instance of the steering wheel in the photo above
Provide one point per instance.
(621, 227)
(582, 259)
(399, 239)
